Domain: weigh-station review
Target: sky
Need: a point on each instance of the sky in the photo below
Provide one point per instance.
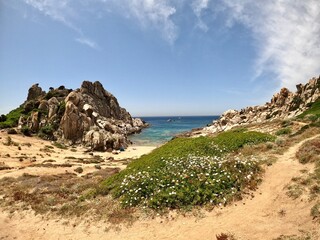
(160, 57)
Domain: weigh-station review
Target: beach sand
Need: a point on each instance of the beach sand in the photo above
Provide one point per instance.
(266, 214)
(31, 155)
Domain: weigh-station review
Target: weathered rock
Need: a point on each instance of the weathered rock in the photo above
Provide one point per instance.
(53, 105)
(71, 122)
(34, 126)
(96, 140)
(89, 115)
(44, 106)
(35, 92)
(284, 104)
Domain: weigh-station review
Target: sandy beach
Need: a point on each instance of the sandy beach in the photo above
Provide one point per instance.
(21, 154)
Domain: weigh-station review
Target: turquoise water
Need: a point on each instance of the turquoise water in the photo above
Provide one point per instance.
(162, 129)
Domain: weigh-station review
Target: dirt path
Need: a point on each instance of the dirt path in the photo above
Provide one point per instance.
(266, 216)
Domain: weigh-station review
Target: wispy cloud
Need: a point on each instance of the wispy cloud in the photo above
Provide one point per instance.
(198, 6)
(153, 13)
(58, 10)
(88, 42)
(287, 35)
(62, 11)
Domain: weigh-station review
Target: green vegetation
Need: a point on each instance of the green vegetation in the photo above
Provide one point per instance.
(59, 145)
(61, 108)
(26, 131)
(46, 132)
(313, 110)
(283, 131)
(54, 93)
(12, 118)
(188, 171)
(309, 152)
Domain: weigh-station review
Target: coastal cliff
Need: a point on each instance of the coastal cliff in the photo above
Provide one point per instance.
(89, 115)
(283, 105)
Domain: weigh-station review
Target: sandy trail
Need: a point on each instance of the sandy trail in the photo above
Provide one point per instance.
(253, 218)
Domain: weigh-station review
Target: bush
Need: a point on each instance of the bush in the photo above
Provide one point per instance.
(47, 130)
(188, 171)
(11, 131)
(59, 145)
(12, 118)
(283, 131)
(313, 110)
(3, 118)
(309, 151)
(26, 131)
(62, 108)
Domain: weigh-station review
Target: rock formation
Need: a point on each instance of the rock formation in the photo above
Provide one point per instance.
(284, 104)
(89, 115)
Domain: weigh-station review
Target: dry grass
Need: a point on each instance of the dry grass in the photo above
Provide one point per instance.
(225, 236)
(61, 194)
(309, 152)
(295, 191)
(302, 236)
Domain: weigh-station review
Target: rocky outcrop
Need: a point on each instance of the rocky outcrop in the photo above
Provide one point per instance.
(284, 104)
(35, 92)
(89, 115)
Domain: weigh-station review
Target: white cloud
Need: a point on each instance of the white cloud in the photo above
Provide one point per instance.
(58, 10)
(153, 13)
(88, 42)
(149, 13)
(286, 32)
(62, 11)
(198, 6)
(287, 35)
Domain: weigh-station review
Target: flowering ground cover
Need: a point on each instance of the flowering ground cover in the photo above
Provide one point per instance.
(187, 172)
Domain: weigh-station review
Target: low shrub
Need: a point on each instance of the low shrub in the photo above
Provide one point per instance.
(12, 118)
(186, 182)
(313, 110)
(11, 131)
(309, 151)
(61, 108)
(3, 118)
(283, 131)
(188, 171)
(26, 131)
(59, 145)
(47, 130)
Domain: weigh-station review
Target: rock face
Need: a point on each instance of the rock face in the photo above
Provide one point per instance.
(284, 104)
(35, 92)
(89, 115)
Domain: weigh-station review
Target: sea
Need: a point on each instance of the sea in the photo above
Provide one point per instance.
(163, 129)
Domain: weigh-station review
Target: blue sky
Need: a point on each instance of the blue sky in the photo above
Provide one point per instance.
(165, 57)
